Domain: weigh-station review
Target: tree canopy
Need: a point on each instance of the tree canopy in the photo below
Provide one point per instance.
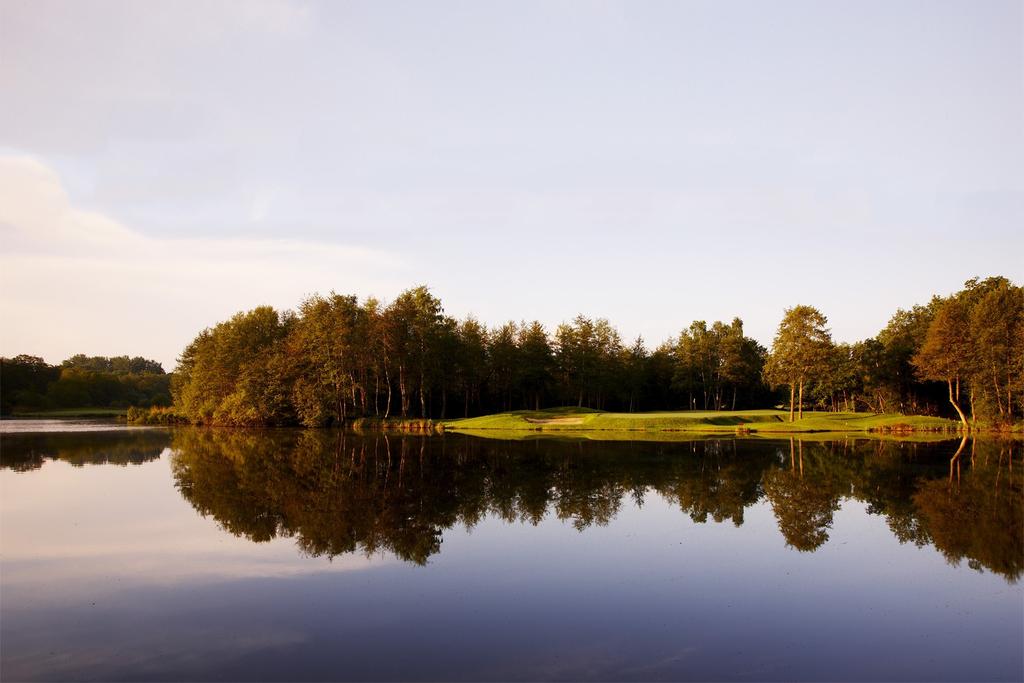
(28, 383)
(336, 358)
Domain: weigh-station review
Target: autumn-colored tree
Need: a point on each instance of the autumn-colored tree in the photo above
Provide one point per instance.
(946, 355)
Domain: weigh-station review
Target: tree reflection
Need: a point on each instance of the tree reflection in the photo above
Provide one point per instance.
(338, 493)
(979, 514)
(28, 451)
(804, 505)
(718, 483)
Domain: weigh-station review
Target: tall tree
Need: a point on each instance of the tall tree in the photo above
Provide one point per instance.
(504, 356)
(799, 351)
(997, 320)
(471, 363)
(634, 365)
(535, 362)
(946, 355)
(218, 374)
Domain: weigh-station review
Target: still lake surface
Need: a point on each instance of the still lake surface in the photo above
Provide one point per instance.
(155, 554)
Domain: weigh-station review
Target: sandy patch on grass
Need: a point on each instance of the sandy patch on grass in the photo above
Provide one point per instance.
(555, 420)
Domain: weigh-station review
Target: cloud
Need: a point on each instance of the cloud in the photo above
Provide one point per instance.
(78, 281)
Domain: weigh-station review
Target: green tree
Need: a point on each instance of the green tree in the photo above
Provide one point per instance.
(634, 365)
(535, 362)
(218, 379)
(800, 351)
(895, 381)
(327, 344)
(411, 328)
(997, 320)
(471, 363)
(504, 360)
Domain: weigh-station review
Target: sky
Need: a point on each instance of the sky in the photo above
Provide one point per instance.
(164, 165)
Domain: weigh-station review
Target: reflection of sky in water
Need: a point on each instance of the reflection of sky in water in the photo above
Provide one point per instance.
(64, 426)
(143, 534)
(109, 572)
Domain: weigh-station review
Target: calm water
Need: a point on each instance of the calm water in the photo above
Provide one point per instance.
(192, 554)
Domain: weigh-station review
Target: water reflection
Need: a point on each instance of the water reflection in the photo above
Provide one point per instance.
(340, 493)
(24, 451)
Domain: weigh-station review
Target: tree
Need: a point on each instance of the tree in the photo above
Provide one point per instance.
(895, 379)
(799, 352)
(504, 357)
(471, 361)
(24, 380)
(946, 355)
(576, 356)
(997, 320)
(837, 378)
(218, 375)
(327, 339)
(535, 362)
(634, 365)
(742, 359)
(336, 359)
(411, 327)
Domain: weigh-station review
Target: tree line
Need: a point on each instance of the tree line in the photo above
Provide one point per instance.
(336, 358)
(961, 354)
(29, 383)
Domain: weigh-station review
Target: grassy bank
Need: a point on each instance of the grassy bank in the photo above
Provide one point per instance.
(701, 422)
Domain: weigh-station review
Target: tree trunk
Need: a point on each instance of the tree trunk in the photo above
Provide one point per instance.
(734, 397)
(954, 400)
(801, 398)
(792, 392)
(974, 416)
(401, 389)
(423, 401)
(376, 394)
(999, 398)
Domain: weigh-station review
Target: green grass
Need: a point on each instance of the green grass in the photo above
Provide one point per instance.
(561, 420)
(73, 412)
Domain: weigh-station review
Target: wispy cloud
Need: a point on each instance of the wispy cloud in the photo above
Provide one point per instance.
(79, 281)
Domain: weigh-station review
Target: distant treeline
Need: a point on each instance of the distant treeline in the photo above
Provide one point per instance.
(28, 383)
(337, 358)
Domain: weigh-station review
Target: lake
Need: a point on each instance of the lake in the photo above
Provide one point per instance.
(155, 554)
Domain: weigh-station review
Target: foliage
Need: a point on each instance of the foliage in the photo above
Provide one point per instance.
(802, 351)
(975, 342)
(29, 384)
(335, 360)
